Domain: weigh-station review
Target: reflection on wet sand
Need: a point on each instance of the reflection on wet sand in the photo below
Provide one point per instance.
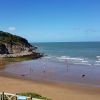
(46, 70)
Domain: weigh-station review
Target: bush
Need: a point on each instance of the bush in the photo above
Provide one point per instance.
(33, 95)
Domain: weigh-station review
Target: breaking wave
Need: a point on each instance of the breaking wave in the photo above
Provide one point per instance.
(75, 60)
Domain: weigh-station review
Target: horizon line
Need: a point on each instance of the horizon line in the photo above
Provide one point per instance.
(63, 41)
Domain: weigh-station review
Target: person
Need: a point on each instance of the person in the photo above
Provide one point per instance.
(83, 75)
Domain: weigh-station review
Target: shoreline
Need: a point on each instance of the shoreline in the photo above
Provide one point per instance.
(13, 84)
(63, 85)
(46, 70)
(53, 91)
(8, 59)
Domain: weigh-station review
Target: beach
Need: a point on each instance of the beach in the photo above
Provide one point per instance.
(53, 91)
(56, 76)
(50, 49)
(13, 83)
(50, 70)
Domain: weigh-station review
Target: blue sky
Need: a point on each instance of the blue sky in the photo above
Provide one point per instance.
(51, 20)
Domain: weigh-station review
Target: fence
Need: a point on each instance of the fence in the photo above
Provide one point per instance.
(9, 96)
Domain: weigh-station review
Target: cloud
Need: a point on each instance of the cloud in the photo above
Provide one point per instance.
(11, 28)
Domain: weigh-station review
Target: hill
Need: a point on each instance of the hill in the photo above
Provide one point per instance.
(14, 46)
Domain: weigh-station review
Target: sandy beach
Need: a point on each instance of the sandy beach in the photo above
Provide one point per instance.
(50, 90)
(55, 91)
(50, 49)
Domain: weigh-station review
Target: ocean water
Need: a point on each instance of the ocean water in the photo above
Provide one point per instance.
(64, 63)
(72, 52)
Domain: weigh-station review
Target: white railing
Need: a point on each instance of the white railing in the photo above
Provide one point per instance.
(9, 96)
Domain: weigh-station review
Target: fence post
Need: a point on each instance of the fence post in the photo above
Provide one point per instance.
(2, 95)
(30, 97)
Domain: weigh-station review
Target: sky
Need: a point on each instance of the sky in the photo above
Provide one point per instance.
(51, 20)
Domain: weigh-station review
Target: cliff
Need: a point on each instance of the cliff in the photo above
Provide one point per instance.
(13, 46)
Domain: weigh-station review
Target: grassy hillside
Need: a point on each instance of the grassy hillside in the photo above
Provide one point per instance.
(6, 37)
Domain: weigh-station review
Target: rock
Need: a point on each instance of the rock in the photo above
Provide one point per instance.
(15, 46)
(3, 49)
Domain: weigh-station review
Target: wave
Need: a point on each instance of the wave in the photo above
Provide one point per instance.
(74, 60)
(82, 63)
(97, 61)
(69, 60)
(97, 56)
(97, 64)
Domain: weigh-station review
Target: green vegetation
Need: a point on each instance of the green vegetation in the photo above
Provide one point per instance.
(6, 37)
(16, 59)
(28, 94)
(7, 60)
(12, 44)
(22, 58)
(33, 95)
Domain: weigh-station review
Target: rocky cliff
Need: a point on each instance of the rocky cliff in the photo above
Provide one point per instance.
(12, 45)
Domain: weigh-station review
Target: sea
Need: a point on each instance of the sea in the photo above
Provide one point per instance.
(63, 63)
(72, 52)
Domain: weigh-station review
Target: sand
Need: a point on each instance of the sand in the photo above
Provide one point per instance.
(50, 90)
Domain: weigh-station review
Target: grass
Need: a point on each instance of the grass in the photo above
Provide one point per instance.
(17, 59)
(33, 95)
(7, 60)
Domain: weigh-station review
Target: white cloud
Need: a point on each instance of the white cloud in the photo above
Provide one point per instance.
(11, 28)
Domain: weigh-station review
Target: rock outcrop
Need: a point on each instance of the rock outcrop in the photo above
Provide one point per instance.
(13, 46)
(3, 49)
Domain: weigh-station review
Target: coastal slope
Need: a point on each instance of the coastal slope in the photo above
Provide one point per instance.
(14, 46)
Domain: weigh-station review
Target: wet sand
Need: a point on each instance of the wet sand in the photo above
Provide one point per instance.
(53, 91)
(46, 70)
